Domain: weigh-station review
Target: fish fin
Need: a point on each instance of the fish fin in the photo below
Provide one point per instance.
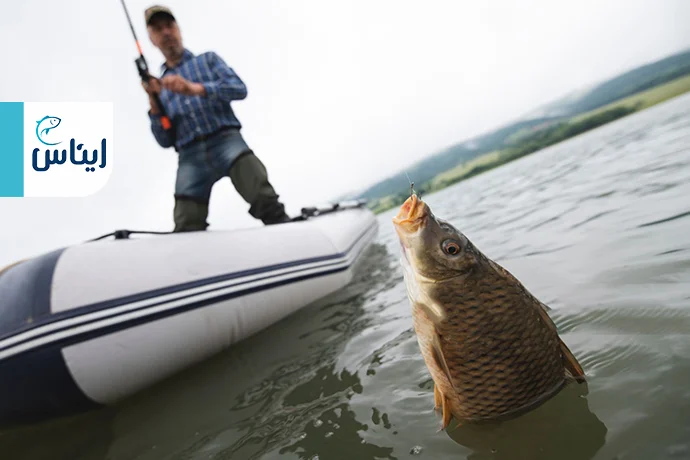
(437, 397)
(571, 363)
(544, 306)
(437, 353)
(544, 315)
(446, 413)
(569, 360)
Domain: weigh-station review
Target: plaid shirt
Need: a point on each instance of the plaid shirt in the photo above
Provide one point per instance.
(193, 116)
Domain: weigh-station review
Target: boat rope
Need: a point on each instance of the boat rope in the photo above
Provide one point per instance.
(306, 213)
(124, 234)
(315, 211)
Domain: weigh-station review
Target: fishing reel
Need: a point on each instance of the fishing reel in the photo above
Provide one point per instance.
(143, 68)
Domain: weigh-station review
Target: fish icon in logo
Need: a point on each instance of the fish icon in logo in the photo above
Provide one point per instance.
(44, 125)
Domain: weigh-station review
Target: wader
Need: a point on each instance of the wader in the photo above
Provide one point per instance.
(208, 160)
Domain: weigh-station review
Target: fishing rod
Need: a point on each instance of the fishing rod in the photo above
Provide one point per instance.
(143, 69)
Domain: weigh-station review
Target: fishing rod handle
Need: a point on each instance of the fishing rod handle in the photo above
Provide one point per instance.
(165, 121)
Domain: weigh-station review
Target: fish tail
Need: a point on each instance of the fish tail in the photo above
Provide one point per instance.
(571, 363)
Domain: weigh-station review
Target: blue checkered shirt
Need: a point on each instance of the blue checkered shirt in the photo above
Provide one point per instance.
(193, 116)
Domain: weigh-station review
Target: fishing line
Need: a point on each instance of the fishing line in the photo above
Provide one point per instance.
(411, 184)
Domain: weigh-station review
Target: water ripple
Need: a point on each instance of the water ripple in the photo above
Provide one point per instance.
(592, 218)
(668, 219)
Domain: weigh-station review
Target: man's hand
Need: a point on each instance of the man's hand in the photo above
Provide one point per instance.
(152, 87)
(179, 84)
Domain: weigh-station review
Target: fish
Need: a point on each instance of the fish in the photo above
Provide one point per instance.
(44, 125)
(490, 346)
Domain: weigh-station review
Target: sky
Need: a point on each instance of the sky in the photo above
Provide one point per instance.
(340, 94)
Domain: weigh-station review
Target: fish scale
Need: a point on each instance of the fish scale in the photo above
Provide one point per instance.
(488, 343)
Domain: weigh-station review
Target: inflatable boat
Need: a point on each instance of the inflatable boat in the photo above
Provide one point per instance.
(87, 325)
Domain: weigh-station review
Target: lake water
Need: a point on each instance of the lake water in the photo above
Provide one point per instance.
(597, 227)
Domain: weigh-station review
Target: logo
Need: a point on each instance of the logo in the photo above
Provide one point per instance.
(44, 125)
(55, 149)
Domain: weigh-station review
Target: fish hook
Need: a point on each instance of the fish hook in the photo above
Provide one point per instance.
(411, 184)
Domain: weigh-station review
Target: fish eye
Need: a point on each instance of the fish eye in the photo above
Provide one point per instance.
(450, 247)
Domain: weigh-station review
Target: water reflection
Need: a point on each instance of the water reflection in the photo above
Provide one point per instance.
(303, 406)
(80, 437)
(563, 428)
(336, 429)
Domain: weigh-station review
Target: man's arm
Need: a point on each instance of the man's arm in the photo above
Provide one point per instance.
(227, 86)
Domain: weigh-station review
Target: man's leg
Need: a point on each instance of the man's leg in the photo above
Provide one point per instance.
(193, 190)
(189, 214)
(250, 178)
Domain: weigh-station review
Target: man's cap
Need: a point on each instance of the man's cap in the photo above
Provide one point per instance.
(156, 9)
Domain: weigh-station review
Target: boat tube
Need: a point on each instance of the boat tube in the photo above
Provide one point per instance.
(88, 325)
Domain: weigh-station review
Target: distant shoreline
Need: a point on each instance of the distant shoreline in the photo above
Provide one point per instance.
(529, 142)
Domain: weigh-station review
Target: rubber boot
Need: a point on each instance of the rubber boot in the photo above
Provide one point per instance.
(248, 175)
(190, 215)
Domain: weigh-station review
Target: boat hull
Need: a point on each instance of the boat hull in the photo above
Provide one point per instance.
(89, 325)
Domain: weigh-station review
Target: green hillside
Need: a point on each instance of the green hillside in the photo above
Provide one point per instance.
(635, 81)
(525, 142)
(430, 167)
(558, 120)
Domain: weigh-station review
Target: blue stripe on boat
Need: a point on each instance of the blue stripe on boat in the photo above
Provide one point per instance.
(25, 293)
(38, 383)
(323, 270)
(19, 328)
(127, 324)
(115, 302)
(55, 319)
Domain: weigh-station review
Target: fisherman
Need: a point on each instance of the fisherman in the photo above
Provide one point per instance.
(196, 91)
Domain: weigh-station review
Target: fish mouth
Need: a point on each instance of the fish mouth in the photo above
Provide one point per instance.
(411, 215)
